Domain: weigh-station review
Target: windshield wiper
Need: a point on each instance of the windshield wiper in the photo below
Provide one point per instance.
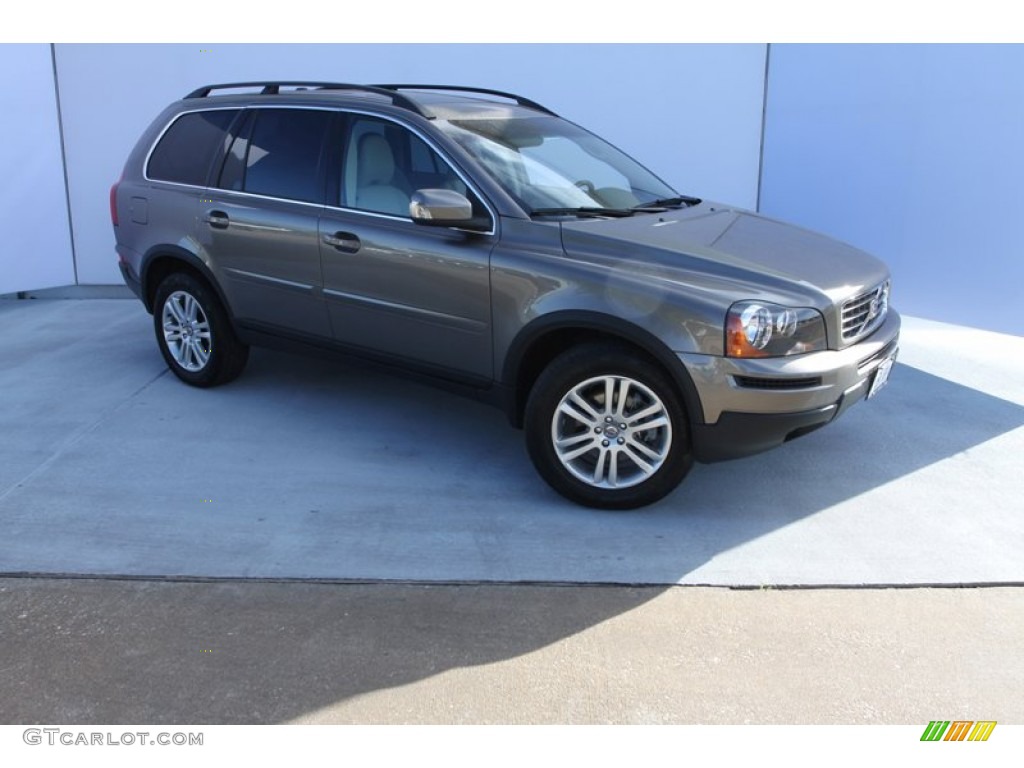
(584, 211)
(668, 202)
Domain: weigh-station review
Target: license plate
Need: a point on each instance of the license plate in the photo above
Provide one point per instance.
(881, 376)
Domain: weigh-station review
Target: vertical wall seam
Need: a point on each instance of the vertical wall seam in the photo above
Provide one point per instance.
(64, 160)
(764, 123)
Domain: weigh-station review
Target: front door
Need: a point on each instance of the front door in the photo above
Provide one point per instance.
(418, 294)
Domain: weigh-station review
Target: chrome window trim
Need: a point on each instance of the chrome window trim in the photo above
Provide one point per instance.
(256, 195)
(390, 217)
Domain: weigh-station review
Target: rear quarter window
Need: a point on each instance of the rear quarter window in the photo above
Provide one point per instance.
(188, 147)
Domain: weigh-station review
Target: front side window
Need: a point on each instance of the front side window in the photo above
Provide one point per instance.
(546, 162)
(187, 149)
(384, 163)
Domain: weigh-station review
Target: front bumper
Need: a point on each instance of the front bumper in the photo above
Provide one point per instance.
(750, 406)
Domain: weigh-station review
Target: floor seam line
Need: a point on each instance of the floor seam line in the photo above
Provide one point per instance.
(76, 437)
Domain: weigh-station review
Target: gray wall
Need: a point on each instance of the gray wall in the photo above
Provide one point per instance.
(910, 152)
(705, 137)
(35, 249)
(915, 153)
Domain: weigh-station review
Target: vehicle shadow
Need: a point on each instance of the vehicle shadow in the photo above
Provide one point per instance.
(319, 470)
(458, 496)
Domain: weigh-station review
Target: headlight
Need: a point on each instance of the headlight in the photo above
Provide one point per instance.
(759, 329)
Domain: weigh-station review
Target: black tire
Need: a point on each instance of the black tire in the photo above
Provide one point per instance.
(194, 333)
(644, 437)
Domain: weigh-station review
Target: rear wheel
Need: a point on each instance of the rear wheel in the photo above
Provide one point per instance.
(605, 428)
(194, 334)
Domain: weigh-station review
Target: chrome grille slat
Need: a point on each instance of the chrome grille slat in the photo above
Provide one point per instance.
(864, 313)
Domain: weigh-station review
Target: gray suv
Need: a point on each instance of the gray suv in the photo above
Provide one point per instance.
(475, 238)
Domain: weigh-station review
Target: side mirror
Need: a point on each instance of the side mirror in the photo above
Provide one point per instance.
(445, 208)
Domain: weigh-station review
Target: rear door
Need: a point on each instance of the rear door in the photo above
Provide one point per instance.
(259, 222)
(419, 294)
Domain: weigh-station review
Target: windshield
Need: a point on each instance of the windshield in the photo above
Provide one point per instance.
(545, 162)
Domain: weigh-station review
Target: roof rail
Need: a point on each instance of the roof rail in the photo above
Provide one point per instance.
(520, 100)
(275, 87)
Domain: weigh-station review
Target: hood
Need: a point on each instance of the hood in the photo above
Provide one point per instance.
(729, 244)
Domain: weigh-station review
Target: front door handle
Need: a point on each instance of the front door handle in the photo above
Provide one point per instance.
(218, 219)
(345, 242)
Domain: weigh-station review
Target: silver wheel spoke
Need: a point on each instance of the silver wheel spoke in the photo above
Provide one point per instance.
(572, 411)
(574, 454)
(647, 412)
(613, 468)
(599, 468)
(569, 442)
(661, 421)
(646, 468)
(584, 406)
(620, 406)
(201, 355)
(179, 317)
(645, 450)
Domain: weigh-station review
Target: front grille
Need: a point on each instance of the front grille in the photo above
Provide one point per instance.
(862, 314)
(756, 382)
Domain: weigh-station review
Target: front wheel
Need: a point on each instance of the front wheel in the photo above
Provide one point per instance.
(605, 428)
(194, 333)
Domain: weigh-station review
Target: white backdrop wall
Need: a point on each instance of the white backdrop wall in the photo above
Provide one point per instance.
(690, 112)
(35, 249)
(912, 152)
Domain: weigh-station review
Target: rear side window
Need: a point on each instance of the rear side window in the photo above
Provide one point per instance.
(188, 148)
(282, 155)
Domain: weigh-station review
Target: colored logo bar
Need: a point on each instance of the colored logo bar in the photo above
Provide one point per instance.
(958, 730)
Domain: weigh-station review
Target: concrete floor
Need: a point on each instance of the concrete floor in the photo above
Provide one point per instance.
(314, 469)
(123, 652)
(309, 469)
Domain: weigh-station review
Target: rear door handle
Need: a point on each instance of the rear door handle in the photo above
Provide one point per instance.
(345, 242)
(218, 219)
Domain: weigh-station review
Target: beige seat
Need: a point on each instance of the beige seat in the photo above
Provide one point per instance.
(378, 186)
